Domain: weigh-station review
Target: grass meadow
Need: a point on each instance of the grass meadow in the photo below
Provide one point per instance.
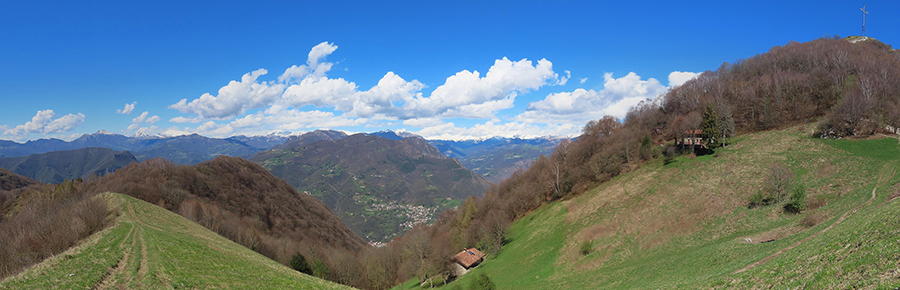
(688, 225)
(151, 248)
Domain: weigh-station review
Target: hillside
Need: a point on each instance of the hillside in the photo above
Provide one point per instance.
(241, 201)
(687, 224)
(55, 167)
(10, 180)
(149, 247)
(378, 187)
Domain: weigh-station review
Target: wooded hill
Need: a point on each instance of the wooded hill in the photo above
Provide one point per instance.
(239, 200)
(10, 180)
(366, 179)
(147, 247)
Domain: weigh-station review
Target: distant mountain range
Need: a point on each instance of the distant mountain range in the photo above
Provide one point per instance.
(57, 166)
(310, 137)
(388, 134)
(264, 142)
(185, 149)
(379, 187)
(496, 158)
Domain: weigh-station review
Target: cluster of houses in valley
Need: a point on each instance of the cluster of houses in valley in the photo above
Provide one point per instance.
(415, 213)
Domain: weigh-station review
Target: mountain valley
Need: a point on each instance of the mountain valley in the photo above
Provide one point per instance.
(379, 187)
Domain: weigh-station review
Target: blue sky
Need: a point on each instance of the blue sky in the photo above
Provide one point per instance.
(543, 67)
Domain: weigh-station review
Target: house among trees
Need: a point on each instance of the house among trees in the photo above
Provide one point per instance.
(465, 260)
(693, 138)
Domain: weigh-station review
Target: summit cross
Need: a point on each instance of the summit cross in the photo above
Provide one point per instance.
(864, 18)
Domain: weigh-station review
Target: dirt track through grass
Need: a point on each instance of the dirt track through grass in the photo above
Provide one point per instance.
(839, 220)
(151, 248)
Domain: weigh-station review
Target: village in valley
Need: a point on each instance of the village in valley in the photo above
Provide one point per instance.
(408, 215)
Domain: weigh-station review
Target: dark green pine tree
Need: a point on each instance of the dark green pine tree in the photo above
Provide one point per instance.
(298, 262)
(710, 128)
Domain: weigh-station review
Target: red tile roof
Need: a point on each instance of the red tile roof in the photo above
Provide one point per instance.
(468, 257)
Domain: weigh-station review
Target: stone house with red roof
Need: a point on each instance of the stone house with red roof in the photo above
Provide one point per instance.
(465, 260)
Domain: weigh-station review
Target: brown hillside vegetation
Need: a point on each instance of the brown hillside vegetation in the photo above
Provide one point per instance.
(39, 221)
(789, 85)
(10, 181)
(797, 82)
(241, 201)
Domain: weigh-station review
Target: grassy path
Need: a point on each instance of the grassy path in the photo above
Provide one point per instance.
(839, 220)
(119, 276)
(151, 248)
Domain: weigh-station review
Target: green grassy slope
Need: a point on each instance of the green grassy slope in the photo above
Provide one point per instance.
(686, 224)
(150, 247)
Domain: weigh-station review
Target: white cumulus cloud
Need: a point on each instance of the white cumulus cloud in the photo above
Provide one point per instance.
(380, 98)
(677, 78)
(314, 65)
(579, 106)
(141, 118)
(503, 80)
(321, 92)
(233, 99)
(127, 110)
(43, 122)
(450, 131)
(144, 118)
(64, 124)
(285, 104)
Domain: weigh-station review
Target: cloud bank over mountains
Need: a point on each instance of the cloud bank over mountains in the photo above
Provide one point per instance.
(304, 97)
(468, 105)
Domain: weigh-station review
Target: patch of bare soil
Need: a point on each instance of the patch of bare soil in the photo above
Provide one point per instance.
(895, 193)
(595, 231)
(772, 235)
